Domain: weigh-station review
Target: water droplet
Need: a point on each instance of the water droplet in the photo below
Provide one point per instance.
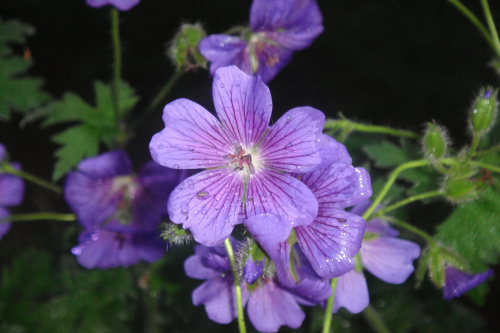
(184, 208)
(195, 212)
(222, 85)
(221, 44)
(190, 148)
(217, 77)
(94, 237)
(76, 250)
(202, 195)
(176, 166)
(160, 146)
(203, 212)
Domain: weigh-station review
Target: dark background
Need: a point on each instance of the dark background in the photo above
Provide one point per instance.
(392, 62)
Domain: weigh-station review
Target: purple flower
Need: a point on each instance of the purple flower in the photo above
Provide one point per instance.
(458, 282)
(269, 305)
(333, 239)
(118, 4)
(119, 211)
(278, 28)
(382, 254)
(11, 191)
(246, 158)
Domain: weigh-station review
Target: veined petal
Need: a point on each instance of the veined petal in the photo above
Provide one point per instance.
(292, 24)
(389, 259)
(292, 142)
(270, 307)
(458, 282)
(279, 194)
(272, 59)
(192, 139)
(351, 292)
(331, 241)
(339, 186)
(11, 188)
(195, 268)
(208, 204)
(332, 152)
(107, 165)
(4, 227)
(225, 50)
(243, 104)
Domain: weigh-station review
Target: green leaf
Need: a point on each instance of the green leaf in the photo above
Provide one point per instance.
(386, 154)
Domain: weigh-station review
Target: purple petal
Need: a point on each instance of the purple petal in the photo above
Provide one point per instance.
(270, 307)
(458, 282)
(243, 104)
(339, 186)
(3, 152)
(292, 142)
(292, 24)
(11, 188)
(279, 194)
(195, 268)
(331, 241)
(107, 165)
(253, 270)
(225, 50)
(381, 227)
(4, 227)
(192, 139)
(332, 152)
(271, 59)
(351, 292)
(389, 259)
(217, 295)
(208, 204)
(119, 4)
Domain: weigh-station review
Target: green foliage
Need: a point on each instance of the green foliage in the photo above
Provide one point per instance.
(386, 154)
(95, 125)
(18, 92)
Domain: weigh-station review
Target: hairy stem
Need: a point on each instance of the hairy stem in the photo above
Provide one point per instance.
(373, 318)
(117, 61)
(354, 126)
(329, 309)
(237, 287)
(411, 228)
(408, 200)
(491, 26)
(29, 177)
(486, 166)
(39, 217)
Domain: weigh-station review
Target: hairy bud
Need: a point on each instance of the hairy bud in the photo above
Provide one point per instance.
(183, 49)
(435, 142)
(484, 111)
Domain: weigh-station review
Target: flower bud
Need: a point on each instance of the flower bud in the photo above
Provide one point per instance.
(184, 48)
(435, 142)
(176, 235)
(484, 111)
(460, 190)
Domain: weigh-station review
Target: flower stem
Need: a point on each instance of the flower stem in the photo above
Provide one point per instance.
(353, 126)
(237, 287)
(473, 147)
(373, 317)
(329, 309)
(486, 166)
(473, 18)
(392, 178)
(38, 217)
(408, 200)
(491, 26)
(32, 178)
(115, 32)
(411, 228)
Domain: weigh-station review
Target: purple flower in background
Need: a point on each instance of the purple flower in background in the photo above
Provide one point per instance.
(269, 305)
(332, 240)
(458, 282)
(382, 254)
(278, 28)
(11, 190)
(245, 157)
(120, 211)
(118, 4)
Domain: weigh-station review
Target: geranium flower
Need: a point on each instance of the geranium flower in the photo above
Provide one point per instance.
(119, 211)
(332, 240)
(458, 282)
(278, 28)
(11, 190)
(246, 159)
(269, 305)
(118, 4)
(388, 258)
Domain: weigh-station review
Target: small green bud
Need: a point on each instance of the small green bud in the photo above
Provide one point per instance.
(484, 111)
(183, 49)
(435, 142)
(460, 190)
(175, 234)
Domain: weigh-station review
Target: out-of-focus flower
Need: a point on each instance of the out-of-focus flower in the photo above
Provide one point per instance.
(278, 28)
(246, 158)
(118, 4)
(11, 190)
(382, 254)
(120, 211)
(458, 282)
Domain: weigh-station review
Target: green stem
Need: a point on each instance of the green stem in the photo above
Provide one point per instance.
(32, 178)
(411, 228)
(115, 31)
(473, 147)
(38, 217)
(373, 318)
(491, 26)
(488, 151)
(237, 287)
(473, 18)
(392, 178)
(353, 126)
(486, 166)
(327, 323)
(406, 201)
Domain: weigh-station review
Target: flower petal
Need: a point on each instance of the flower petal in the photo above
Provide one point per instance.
(292, 142)
(119, 4)
(351, 292)
(279, 194)
(339, 186)
(4, 227)
(331, 241)
(389, 259)
(458, 282)
(11, 188)
(243, 104)
(208, 204)
(225, 50)
(332, 152)
(292, 24)
(270, 307)
(107, 165)
(196, 269)
(271, 59)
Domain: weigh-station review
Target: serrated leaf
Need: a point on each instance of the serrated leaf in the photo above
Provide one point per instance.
(386, 154)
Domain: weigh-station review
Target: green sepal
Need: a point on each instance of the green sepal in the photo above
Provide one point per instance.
(184, 47)
(460, 190)
(435, 141)
(422, 266)
(482, 117)
(435, 264)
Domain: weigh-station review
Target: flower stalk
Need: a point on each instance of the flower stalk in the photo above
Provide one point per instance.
(408, 200)
(354, 126)
(39, 217)
(115, 32)
(29, 177)
(375, 320)
(329, 308)
(237, 287)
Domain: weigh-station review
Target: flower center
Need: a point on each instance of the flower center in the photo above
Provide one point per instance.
(241, 159)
